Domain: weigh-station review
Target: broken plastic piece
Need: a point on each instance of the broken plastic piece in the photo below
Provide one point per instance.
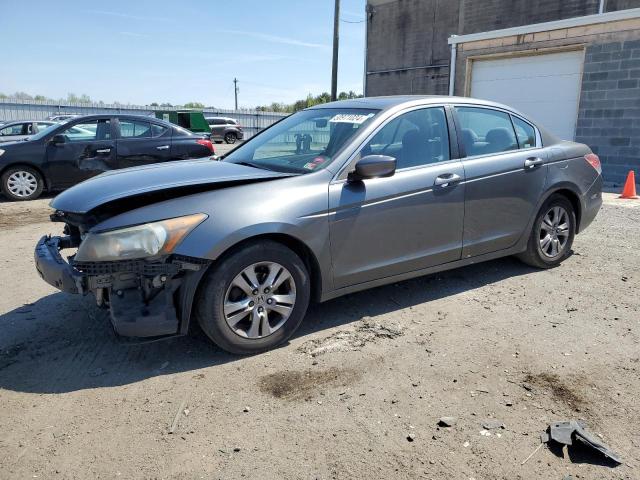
(565, 432)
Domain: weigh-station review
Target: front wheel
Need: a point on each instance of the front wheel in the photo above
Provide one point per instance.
(22, 183)
(230, 138)
(255, 299)
(552, 234)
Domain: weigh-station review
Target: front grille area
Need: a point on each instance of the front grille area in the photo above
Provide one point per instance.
(140, 267)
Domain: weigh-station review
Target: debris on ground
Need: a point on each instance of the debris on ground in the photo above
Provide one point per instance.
(492, 424)
(366, 331)
(565, 433)
(447, 421)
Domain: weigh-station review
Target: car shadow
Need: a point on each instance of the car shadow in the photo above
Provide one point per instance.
(64, 343)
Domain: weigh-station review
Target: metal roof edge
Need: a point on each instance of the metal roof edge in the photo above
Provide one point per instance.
(545, 26)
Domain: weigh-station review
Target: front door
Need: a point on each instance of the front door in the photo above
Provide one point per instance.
(406, 222)
(88, 150)
(141, 142)
(505, 177)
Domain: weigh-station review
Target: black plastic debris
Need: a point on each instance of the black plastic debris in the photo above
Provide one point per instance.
(565, 433)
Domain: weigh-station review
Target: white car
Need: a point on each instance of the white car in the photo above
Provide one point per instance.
(19, 130)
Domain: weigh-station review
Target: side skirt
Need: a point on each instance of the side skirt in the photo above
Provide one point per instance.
(518, 248)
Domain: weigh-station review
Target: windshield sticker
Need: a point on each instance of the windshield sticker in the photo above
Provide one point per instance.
(350, 118)
(310, 165)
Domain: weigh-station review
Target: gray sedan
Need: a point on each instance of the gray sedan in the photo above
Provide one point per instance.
(337, 198)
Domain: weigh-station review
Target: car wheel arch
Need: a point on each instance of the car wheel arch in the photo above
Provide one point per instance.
(298, 246)
(45, 180)
(570, 192)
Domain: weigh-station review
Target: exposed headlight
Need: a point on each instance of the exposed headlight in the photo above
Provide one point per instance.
(141, 241)
(1, 152)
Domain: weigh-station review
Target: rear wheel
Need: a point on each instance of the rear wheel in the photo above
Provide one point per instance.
(552, 234)
(255, 299)
(22, 183)
(230, 137)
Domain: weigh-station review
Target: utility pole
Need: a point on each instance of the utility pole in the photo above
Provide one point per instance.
(336, 41)
(235, 90)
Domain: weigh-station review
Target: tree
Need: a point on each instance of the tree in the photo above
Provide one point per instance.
(40, 98)
(310, 101)
(22, 96)
(193, 105)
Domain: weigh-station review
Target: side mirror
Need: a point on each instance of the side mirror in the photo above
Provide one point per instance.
(58, 139)
(373, 166)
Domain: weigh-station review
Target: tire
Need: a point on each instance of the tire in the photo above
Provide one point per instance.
(21, 183)
(230, 137)
(220, 288)
(547, 255)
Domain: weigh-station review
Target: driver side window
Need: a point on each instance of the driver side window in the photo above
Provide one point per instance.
(89, 131)
(416, 138)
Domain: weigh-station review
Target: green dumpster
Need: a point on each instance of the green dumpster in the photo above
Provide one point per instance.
(192, 120)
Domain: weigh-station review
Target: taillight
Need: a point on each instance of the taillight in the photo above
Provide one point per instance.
(206, 143)
(594, 161)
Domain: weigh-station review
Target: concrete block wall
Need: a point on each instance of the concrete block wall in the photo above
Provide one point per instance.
(486, 15)
(609, 112)
(410, 36)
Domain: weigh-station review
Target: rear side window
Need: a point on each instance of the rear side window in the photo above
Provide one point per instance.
(525, 132)
(158, 130)
(486, 131)
(13, 130)
(134, 129)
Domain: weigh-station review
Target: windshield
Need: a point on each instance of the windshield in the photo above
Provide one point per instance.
(304, 142)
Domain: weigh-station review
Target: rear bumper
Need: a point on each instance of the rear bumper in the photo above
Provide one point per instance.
(592, 201)
(145, 299)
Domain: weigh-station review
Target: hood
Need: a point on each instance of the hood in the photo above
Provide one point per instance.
(177, 178)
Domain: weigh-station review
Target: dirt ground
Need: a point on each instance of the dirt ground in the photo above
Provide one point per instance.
(356, 394)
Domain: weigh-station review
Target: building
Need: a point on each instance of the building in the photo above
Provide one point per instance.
(573, 65)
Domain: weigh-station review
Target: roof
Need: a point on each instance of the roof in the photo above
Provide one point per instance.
(384, 103)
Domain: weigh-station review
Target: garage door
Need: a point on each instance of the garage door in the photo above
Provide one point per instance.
(544, 87)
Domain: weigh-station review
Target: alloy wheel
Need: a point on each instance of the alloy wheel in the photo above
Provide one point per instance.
(22, 184)
(259, 300)
(554, 232)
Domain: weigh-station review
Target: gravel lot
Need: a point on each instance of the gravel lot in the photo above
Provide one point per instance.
(365, 374)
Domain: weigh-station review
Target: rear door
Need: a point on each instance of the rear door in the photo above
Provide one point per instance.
(141, 142)
(409, 221)
(218, 126)
(505, 177)
(88, 150)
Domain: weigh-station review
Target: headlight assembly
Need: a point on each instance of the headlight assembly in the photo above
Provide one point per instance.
(1, 152)
(141, 241)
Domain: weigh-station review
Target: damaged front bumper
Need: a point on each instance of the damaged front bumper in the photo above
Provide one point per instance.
(145, 298)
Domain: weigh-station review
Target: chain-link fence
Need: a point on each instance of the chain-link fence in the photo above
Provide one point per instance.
(252, 121)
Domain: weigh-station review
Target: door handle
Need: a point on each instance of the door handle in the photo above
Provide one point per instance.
(163, 147)
(447, 179)
(103, 150)
(533, 162)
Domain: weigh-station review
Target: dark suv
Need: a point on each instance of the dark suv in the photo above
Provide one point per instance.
(63, 155)
(224, 128)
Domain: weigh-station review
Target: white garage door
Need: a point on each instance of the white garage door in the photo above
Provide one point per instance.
(544, 87)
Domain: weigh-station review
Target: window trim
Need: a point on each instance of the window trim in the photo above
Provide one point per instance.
(151, 121)
(454, 152)
(69, 125)
(462, 150)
